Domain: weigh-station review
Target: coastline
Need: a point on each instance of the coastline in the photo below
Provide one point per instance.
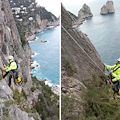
(55, 89)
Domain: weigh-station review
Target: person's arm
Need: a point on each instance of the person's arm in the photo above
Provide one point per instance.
(109, 67)
(13, 66)
(6, 68)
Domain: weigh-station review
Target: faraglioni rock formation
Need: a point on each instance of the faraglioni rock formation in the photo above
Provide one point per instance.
(109, 8)
(84, 12)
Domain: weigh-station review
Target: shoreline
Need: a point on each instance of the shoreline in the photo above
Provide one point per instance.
(33, 37)
(55, 89)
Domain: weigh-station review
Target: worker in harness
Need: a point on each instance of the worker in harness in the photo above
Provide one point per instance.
(115, 75)
(12, 66)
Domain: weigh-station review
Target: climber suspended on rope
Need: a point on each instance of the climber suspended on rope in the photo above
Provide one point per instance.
(11, 68)
(114, 76)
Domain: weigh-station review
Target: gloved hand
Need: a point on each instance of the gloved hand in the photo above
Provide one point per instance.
(4, 65)
(4, 70)
(2, 74)
(110, 81)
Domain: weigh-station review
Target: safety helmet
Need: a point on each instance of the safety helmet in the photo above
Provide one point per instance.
(118, 59)
(10, 57)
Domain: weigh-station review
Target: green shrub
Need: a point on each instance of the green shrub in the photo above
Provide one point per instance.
(18, 97)
(9, 102)
(25, 80)
(44, 106)
(33, 89)
(69, 68)
(24, 94)
(2, 8)
(21, 31)
(6, 112)
(1, 77)
(98, 101)
(67, 107)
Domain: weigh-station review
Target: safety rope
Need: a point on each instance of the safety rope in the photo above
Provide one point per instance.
(82, 49)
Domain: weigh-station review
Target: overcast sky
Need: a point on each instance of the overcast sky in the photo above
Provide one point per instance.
(53, 6)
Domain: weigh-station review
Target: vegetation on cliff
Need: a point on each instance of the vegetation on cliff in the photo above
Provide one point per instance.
(22, 30)
(69, 68)
(46, 106)
(97, 102)
(48, 103)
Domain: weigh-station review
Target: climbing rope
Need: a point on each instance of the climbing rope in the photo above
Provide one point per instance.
(82, 49)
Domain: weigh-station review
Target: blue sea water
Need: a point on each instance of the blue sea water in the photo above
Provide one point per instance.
(102, 30)
(47, 56)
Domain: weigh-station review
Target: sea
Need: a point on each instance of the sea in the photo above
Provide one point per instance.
(102, 30)
(46, 59)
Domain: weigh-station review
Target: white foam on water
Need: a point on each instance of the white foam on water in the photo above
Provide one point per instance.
(34, 54)
(35, 64)
(48, 82)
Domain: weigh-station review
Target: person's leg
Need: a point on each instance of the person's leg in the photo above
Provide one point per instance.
(5, 74)
(116, 86)
(10, 77)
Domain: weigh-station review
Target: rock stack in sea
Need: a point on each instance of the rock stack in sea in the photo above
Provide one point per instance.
(109, 8)
(84, 12)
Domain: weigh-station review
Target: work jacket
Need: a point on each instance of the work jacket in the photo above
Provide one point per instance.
(115, 71)
(11, 66)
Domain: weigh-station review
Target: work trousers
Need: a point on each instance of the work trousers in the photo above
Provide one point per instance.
(10, 76)
(116, 86)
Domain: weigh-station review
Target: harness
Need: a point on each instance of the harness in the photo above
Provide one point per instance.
(116, 68)
(110, 74)
(14, 74)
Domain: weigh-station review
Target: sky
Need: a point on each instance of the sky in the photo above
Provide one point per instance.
(53, 6)
(75, 1)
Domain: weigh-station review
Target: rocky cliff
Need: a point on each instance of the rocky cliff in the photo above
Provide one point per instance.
(32, 100)
(79, 61)
(109, 8)
(11, 43)
(79, 53)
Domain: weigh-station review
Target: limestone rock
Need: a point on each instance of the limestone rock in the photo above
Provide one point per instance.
(109, 8)
(104, 10)
(85, 12)
(17, 114)
(5, 91)
(43, 41)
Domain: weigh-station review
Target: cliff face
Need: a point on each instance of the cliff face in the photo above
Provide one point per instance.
(78, 53)
(109, 8)
(33, 17)
(26, 101)
(77, 66)
(11, 43)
